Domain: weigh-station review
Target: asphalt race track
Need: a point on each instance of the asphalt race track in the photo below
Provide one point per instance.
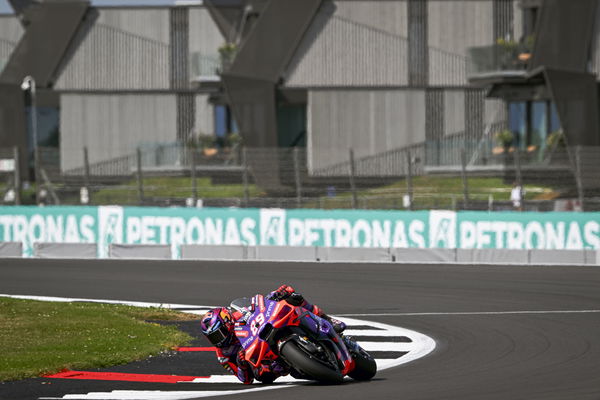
(502, 332)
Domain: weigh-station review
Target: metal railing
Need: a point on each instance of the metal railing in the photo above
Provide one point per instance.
(506, 56)
(450, 174)
(204, 65)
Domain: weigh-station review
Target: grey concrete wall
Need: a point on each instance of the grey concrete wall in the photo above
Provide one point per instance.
(286, 253)
(10, 33)
(122, 49)
(11, 249)
(492, 255)
(453, 27)
(424, 255)
(454, 111)
(557, 257)
(353, 254)
(592, 257)
(312, 253)
(113, 125)
(150, 251)
(357, 43)
(65, 250)
(204, 117)
(10, 28)
(210, 252)
(368, 121)
(204, 38)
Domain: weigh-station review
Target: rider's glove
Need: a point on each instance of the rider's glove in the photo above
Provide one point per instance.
(295, 299)
(283, 292)
(241, 360)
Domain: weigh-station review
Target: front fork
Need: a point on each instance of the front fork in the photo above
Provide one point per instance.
(324, 330)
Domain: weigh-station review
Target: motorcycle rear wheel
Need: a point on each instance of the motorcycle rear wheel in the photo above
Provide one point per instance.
(310, 365)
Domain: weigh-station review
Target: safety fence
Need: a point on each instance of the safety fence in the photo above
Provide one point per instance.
(454, 172)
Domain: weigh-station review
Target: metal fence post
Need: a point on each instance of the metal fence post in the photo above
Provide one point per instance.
(36, 174)
(578, 179)
(463, 170)
(409, 186)
(17, 175)
(297, 177)
(245, 176)
(193, 174)
(86, 164)
(352, 183)
(518, 175)
(140, 178)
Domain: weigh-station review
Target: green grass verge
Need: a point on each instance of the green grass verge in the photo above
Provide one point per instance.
(431, 192)
(38, 338)
(172, 187)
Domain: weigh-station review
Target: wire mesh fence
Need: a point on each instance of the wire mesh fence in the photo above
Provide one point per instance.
(449, 174)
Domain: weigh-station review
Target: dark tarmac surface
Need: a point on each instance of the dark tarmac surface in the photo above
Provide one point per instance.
(502, 332)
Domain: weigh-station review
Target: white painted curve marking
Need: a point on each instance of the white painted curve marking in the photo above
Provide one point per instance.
(158, 395)
(420, 346)
(517, 312)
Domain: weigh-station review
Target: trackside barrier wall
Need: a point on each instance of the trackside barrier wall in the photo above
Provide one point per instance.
(350, 254)
(65, 250)
(285, 253)
(492, 255)
(592, 257)
(11, 249)
(424, 255)
(208, 252)
(363, 234)
(557, 256)
(467, 256)
(340, 254)
(153, 251)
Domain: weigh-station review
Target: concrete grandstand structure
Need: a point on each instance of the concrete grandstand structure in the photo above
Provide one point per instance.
(379, 77)
(121, 78)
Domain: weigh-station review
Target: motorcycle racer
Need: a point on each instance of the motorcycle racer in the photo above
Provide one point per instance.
(218, 326)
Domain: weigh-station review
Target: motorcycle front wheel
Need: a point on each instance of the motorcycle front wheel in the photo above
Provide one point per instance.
(365, 367)
(310, 365)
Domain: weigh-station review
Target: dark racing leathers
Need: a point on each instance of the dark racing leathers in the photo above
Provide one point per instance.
(231, 357)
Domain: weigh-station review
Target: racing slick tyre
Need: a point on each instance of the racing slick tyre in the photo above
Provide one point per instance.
(365, 367)
(309, 364)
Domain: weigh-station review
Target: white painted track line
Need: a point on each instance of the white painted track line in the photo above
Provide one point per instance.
(386, 346)
(126, 303)
(158, 395)
(369, 332)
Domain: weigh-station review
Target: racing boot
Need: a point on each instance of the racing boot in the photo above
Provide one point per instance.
(338, 326)
(351, 345)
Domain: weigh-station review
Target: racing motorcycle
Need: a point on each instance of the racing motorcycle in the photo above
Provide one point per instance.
(278, 330)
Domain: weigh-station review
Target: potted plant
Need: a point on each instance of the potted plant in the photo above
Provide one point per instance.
(556, 139)
(227, 53)
(505, 139)
(234, 140)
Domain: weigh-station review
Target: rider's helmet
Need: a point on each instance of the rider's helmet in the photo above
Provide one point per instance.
(217, 325)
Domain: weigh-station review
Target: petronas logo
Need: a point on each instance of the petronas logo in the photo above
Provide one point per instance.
(272, 227)
(111, 227)
(442, 229)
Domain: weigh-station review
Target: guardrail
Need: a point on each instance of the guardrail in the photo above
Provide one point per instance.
(310, 254)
